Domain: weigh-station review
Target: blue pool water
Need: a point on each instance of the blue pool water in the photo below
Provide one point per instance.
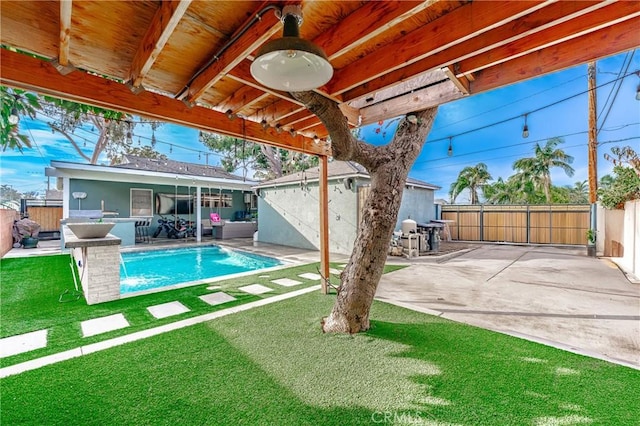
(161, 268)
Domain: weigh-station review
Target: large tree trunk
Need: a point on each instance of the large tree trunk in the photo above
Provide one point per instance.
(388, 167)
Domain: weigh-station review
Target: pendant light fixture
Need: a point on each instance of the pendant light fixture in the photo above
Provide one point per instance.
(450, 150)
(291, 63)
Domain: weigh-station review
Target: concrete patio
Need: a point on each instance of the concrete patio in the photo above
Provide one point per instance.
(555, 296)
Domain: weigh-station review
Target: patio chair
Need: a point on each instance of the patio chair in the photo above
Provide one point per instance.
(142, 230)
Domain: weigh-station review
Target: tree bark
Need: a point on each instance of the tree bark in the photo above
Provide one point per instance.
(388, 167)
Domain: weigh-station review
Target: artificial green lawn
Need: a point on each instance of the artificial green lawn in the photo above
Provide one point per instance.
(31, 288)
(272, 366)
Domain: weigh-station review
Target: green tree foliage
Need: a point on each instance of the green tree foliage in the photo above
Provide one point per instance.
(537, 169)
(267, 162)
(15, 103)
(8, 193)
(471, 178)
(65, 117)
(578, 193)
(625, 185)
(139, 151)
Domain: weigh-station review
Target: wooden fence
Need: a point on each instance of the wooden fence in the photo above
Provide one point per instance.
(534, 224)
(48, 217)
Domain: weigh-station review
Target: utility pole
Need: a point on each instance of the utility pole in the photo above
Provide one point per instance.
(593, 134)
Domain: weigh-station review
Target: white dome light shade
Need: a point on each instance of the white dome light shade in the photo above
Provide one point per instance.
(290, 63)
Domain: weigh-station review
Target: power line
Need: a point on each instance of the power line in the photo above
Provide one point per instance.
(506, 120)
(502, 147)
(134, 135)
(617, 89)
(584, 144)
(513, 102)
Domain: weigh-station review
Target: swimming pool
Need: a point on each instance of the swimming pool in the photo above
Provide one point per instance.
(156, 269)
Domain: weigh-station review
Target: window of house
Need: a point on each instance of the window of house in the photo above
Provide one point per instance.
(141, 202)
(217, 200)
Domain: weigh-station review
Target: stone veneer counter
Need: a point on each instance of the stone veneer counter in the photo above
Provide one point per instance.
(98, 262)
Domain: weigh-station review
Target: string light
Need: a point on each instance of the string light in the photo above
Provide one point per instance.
(14, 118)
(525, 129)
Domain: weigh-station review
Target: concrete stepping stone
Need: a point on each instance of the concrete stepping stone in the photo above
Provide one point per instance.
(255, 289)
(334, 271)
(167, 310)
(217, 298)
(310, 276)
(21, 343)
(286, 282)
(102, 325)
(214, 287)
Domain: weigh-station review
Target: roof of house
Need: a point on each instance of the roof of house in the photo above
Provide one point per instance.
(335, 170)
(154, 172)
(175, 167)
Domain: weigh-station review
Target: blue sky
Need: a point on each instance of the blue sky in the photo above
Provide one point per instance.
(497, 145)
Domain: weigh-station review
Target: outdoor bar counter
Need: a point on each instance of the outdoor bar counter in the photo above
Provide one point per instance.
(98, 263)
(125, 229)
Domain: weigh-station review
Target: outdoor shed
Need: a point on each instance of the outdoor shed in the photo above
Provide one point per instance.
(289, 215)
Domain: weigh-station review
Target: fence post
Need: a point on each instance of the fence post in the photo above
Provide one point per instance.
(550, 224)
(481, 222)
(528, 225)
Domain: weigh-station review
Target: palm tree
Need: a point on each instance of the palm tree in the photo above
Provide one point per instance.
(605, 182)
(579, 193)
(538, 168)
(499, 192)
(472, 178)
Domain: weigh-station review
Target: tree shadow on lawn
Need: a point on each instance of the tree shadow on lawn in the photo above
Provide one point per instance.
(191, 376)
(494, 379)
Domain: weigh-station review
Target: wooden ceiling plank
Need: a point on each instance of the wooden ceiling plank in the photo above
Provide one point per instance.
(462, 82)
(162, 25)
(416, 101)
(608, 41)
(366, 23)
(291, 120)
(303, 125)
(29, 73)
(240, 99)
(418, 82)
(612, 14)
(317, 131)
(242, 74)
(279, 110)
(479, 47)
(66, 6)
(254, 37)
(456, 27)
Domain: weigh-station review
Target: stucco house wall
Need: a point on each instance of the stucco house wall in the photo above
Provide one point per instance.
(417, 204)
(289, 208)
(289, 215)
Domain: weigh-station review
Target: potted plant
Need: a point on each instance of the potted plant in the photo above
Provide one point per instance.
(28, 241)
(591, 243)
